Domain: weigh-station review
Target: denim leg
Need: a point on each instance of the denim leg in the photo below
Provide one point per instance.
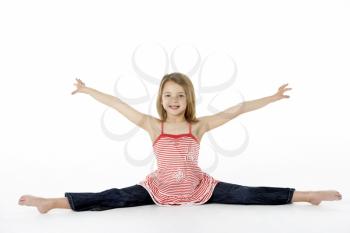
(226, 193)
(135, 195)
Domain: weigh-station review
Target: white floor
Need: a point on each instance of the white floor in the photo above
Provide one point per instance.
(328, 217)
(49, 178)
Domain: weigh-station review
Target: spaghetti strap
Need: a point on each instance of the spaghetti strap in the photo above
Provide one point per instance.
(161, 126)
(190, 128)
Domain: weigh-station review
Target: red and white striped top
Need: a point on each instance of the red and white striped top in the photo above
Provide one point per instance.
(178, 179)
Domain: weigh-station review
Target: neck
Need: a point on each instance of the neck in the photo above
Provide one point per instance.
(175, 119)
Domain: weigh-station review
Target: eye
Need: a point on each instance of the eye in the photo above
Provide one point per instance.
(168, 95)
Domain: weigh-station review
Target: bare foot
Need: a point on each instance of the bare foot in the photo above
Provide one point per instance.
(316, 197)
(42, 204)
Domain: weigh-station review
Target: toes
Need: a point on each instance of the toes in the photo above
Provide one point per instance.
(21, 200)
(338, 195)
(25, 200)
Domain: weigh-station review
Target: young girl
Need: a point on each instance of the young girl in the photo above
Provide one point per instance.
(176, 139)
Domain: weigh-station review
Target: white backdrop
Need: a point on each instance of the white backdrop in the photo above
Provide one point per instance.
(53, 142)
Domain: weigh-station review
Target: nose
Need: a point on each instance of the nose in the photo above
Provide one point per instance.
(174, 98)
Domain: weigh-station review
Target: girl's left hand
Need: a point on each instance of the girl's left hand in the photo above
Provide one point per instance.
(80, 86)
(280, 93)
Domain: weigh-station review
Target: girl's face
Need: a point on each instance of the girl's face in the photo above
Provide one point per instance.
(174, 98)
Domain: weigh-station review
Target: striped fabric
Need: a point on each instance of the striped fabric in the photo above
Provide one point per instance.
(178, 179)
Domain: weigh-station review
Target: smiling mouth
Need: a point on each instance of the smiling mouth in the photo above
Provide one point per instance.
(174, 106)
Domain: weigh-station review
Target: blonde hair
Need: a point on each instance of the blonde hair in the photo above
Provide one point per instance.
(186, 84)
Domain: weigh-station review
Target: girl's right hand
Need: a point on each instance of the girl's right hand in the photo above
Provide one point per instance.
(80, 86)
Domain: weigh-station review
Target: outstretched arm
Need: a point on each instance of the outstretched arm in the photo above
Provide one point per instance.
(248, 106)
(213, 121)
(140, 119)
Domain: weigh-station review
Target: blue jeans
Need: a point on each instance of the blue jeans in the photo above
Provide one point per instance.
(226, 193)
(136, 195)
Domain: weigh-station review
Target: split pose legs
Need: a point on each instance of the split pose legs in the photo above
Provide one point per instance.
(136, 195)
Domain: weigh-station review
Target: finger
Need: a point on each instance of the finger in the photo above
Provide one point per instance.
(287, 89)
(283, 86)
(74, 92)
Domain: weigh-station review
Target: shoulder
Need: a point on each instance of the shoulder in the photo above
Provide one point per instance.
(152, 126)
(153, 123)
(198, 127)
